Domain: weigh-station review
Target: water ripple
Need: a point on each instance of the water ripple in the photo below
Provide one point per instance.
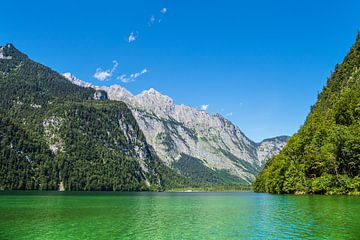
(177, 216)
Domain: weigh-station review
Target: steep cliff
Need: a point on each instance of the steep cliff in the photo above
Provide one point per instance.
(206, 147)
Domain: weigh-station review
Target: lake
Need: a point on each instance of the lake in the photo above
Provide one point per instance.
(55, 215)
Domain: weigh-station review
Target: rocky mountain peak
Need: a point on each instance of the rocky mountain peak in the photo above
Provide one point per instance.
(176, 131)
(151, 91)
(155, 100)
(116, 92)
(149, 100)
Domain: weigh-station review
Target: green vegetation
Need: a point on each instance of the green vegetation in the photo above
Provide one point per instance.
(324, 156)
(246, 166)
(52, 133)
(204, 177)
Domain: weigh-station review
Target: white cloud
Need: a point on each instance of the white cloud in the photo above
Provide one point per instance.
(229, 114)
(204, 107)
(132, 37)
(151, 20)
(125, 79)
(103, 75)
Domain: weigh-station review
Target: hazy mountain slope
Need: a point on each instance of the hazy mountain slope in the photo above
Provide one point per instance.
(324, 156)
(179, 132)
(54, 135)
(270, 147)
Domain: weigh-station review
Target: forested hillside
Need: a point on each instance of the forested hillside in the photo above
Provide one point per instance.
(324, 156)
(55, 135)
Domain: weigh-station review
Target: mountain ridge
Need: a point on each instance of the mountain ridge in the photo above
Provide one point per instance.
(55, 135)
(176, 131)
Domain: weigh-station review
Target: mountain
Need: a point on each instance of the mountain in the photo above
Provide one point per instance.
(57, 135)
(203, 147)
(270, 147)
(324, 156)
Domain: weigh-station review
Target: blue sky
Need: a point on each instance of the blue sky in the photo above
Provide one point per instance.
(259, 63)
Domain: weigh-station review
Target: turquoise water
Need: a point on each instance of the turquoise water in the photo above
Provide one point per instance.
(56, 215)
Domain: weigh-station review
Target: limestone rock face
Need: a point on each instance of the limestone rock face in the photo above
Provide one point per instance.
(178, 130)
(270, 147)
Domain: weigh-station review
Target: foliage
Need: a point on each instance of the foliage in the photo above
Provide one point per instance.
(324, 156)
(53, 133)
(203, 176)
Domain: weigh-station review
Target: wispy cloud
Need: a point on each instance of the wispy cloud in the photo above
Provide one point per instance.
(152, 20)
(126, 79)
(103, 75)
(163, 10)
(229, 114)
(204, 107)
(132, 37)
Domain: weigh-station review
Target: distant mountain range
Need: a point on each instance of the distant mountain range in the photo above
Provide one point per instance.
(206, 148)
(61, 133)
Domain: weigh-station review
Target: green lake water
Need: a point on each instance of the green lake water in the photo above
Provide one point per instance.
(53, 215)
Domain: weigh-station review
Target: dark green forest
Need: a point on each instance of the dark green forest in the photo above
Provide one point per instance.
(324, 156)
(54, 134)
(203, 176)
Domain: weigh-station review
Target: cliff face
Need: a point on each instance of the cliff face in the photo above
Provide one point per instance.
(324, 156)
(209, 143)
(270, 147)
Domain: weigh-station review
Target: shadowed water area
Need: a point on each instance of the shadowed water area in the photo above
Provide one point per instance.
(53, 215)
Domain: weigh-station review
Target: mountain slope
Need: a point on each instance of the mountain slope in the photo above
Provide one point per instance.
(270, 147)
(198, 145)
(56, 135)
(324, 156)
